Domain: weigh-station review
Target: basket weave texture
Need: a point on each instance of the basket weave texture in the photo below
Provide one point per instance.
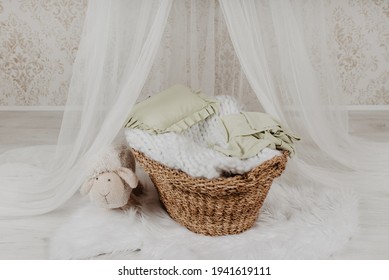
(221, 206)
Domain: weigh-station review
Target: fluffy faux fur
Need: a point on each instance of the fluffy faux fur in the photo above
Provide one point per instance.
(295, 223)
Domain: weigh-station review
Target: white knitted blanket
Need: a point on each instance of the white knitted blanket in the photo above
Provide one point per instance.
(190, 151)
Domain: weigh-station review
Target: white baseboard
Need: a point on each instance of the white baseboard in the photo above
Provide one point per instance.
(351, 108)
(32, 108)
(62, 108)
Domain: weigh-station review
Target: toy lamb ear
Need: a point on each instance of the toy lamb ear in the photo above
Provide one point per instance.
(86, 187)
(128, 176)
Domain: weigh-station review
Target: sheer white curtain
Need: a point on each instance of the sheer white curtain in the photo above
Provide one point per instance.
(272, 39)
(187, 51)
(119, 42)
(196, 51)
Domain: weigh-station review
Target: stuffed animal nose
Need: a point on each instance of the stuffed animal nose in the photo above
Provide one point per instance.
(105, 195)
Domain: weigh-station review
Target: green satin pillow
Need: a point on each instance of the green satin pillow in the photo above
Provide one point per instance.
(172, 110)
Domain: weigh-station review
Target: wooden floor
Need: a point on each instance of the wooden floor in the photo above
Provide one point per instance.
(18, 129)
(26, 238)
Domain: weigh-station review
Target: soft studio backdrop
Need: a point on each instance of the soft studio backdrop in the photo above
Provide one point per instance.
(273, 41)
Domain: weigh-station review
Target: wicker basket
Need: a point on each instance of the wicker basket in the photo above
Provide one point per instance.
(220, 206)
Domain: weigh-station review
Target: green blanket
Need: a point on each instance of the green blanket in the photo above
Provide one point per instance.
(248, 133)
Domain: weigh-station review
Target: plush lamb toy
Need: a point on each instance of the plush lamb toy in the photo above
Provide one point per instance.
(112, 178)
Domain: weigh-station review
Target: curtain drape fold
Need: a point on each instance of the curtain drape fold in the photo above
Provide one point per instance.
(128, 42)
(119, 43)
(273, 39)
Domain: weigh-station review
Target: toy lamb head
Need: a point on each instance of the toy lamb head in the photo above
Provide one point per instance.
(111, 177)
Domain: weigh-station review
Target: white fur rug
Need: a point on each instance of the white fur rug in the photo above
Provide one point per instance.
(294, 223)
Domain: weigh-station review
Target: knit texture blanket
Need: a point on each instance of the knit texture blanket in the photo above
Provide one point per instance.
(190, 151)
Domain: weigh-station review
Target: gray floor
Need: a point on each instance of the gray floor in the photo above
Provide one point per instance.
(27, 238)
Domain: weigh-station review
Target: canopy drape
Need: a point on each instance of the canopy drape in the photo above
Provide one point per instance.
(124, 41)
(119, 42)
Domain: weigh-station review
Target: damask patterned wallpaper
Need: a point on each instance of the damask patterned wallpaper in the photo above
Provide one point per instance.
(38, 43)
(360, 30)
(39, 39)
